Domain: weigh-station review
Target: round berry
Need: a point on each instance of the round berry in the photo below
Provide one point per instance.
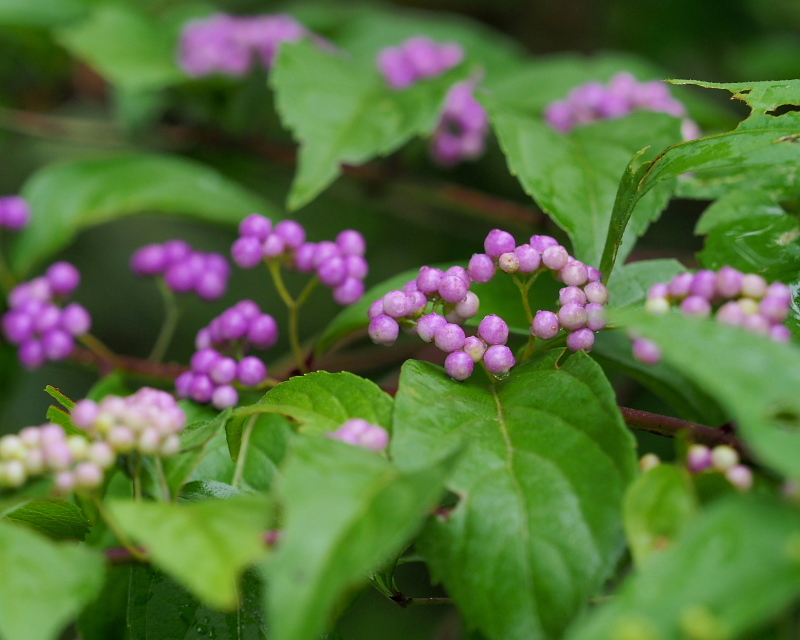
(555, 257)
(595, 316)
(428, 325)
(149, 260)
(540, 243)
(256, 226)
(499, 359)
(582, 339)
(247, 252)
(574, 273)
(596, 292)
(499, 242)
(571, 294)
(529, 258)
(572, 316)
(349, 292)
(263, 331)
(429, 279)
(251, 371)
(696, 306)
(545, 325)
(63, 278)
(453, 289)
(383, 329)
(75, 319)
(493, 330)
(224, 396)
(449, 337)
(223, 371)
(481, 268)
(291, 232)
(351, 243)
(459, 365)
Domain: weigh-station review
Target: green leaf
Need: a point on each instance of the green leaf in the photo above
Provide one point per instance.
(657, 507)
(540, 485)
(322, 401)
(159, 608)
(56, 519)
(63, 400)
(347, 511)
(44, 585)
(105, 618)
(265, 438)
(341, 111)
(69, 196)
(125, 46)
(740, 204)
(630, 282)
(732, 570)
(763, 140)
(205, 546)
(43, 13)
(753, 378)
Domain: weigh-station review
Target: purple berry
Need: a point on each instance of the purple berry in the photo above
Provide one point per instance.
(211, 285)
(396, 304)
(428, 325)
(493, 330)
(508, 262)
(704, 284)
(75, 319)
(774, 309)
(255, 226)
(545, 325)
(183, 384)
(17, 326)
(593, 274)
(730, 313)
(459, 365)
(324, 250)
(429, 279)
(572, 316)
(224, 396)
(383, 330)
(357, 267)
(555, 257)
(248, 309)
(757, 324)
(349, 292)
(595, 316)
(332, 272)
(449, 337)
(582, 339)
(63, 278)
(529, 258)
(596, 292)
(780, 291)
(273, 246)
(304, 257)
(481, 268)
(181, 277)
(263, 331)
(201, 388)
(375, 438)
(202, 361)
(574, 273)
(780, 333)
(247, 252)
(233, 325)
(698, 458)
(47, 318)
(375, 309)
(176, 251)
(149, 260)
(453, 289)
(660, 290)
(499, 242)
(291, 232)
(696, 306)
(15, 213)
(57, 344)
(474, 347)
(646, 351)
(223, 371)
(252, 371)
(679, 285)
(540, 243)
(499, 359)
(351, 243)
(572, 294)
(468, 307)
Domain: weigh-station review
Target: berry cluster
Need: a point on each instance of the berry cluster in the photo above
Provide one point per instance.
(723, 459)
(227, 44)
(362, 434)
(77, 463)
(15, 213)
(417, 58)
(462, 130)
(623, 94)
(183, 269)
(732, 297)
(37, 324)
(339, 265)
(581, 314)
(213, 373)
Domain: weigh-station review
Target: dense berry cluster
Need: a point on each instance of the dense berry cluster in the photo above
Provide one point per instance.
(184, 269)
(37, 323)
(15, 213)
(731, 297)
(416, 59)
(722, 459)
(462, 130)
(361, 433)
(213, 373)
(228, 44)
(437, 302)
(339, 265)
(623, 94)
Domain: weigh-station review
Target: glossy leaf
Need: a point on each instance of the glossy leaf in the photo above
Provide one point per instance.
(45, 13)
(540, 485)
(263, 440)
(57, 519)
(347, 511)
(124, 45)
(657, 508)
(752, 377)
(45, 584)
(160, 608)
(322, 401)
(205, 546)
(362, 117)
(76, 194)
(729, 573)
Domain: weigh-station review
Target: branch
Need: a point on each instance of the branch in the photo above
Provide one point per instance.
(128, 364)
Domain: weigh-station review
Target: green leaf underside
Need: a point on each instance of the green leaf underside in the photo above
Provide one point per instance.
(657, 507)
(322, 401)
(732, 570)
(347, 511)
(69, 196)
(547, 458)
(205, 546)
(44, 584)
(56, 519)
(755, 378)
(159, 608)
(341, 111)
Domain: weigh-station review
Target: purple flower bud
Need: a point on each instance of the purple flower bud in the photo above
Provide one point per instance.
(555, 257)
(459, 365)
(15, 213)
(468, 307)
(574, 273)
(273, 246)
(357, 267)
(698, 458)
(57, 344)
(223, 371)
(529, 258)
(332, 272)
(582, 339)
(57, 455)
(396, 303)
(149, 260)
(84, 413)
(75, 319)
(291, 232)
(201, 388)
(429, 279)
(453, 289)
(247, 252)
(428, 325)
(64, 482)
(449, 337)
(499, 242)
(252, 371)
(304, 257)
(753, 286)
(17, 327)
(696, 306)
(596, 292)
(383, 330)
(499, 359)
(255, 226)
(595, 316)
(349, 292)
(704, 284)
(351, 243)
(572, 316)
(780, 333)
(572, 294)
(508, 262)
(263, 332)
(646, 351)
(493, 330)
(679, 285)
(63, 278)
(545, 325)
(224, 396)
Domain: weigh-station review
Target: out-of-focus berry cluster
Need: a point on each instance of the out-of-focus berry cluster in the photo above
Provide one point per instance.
(361, 433)
(229, 44)
(437, 302)
(623, 94)
(15, 213)
(730, 296)
(218, 364)
(462, 130)
(183, 269)
(416, 59)
(37, 323)
(339, 265)
(721, 459)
